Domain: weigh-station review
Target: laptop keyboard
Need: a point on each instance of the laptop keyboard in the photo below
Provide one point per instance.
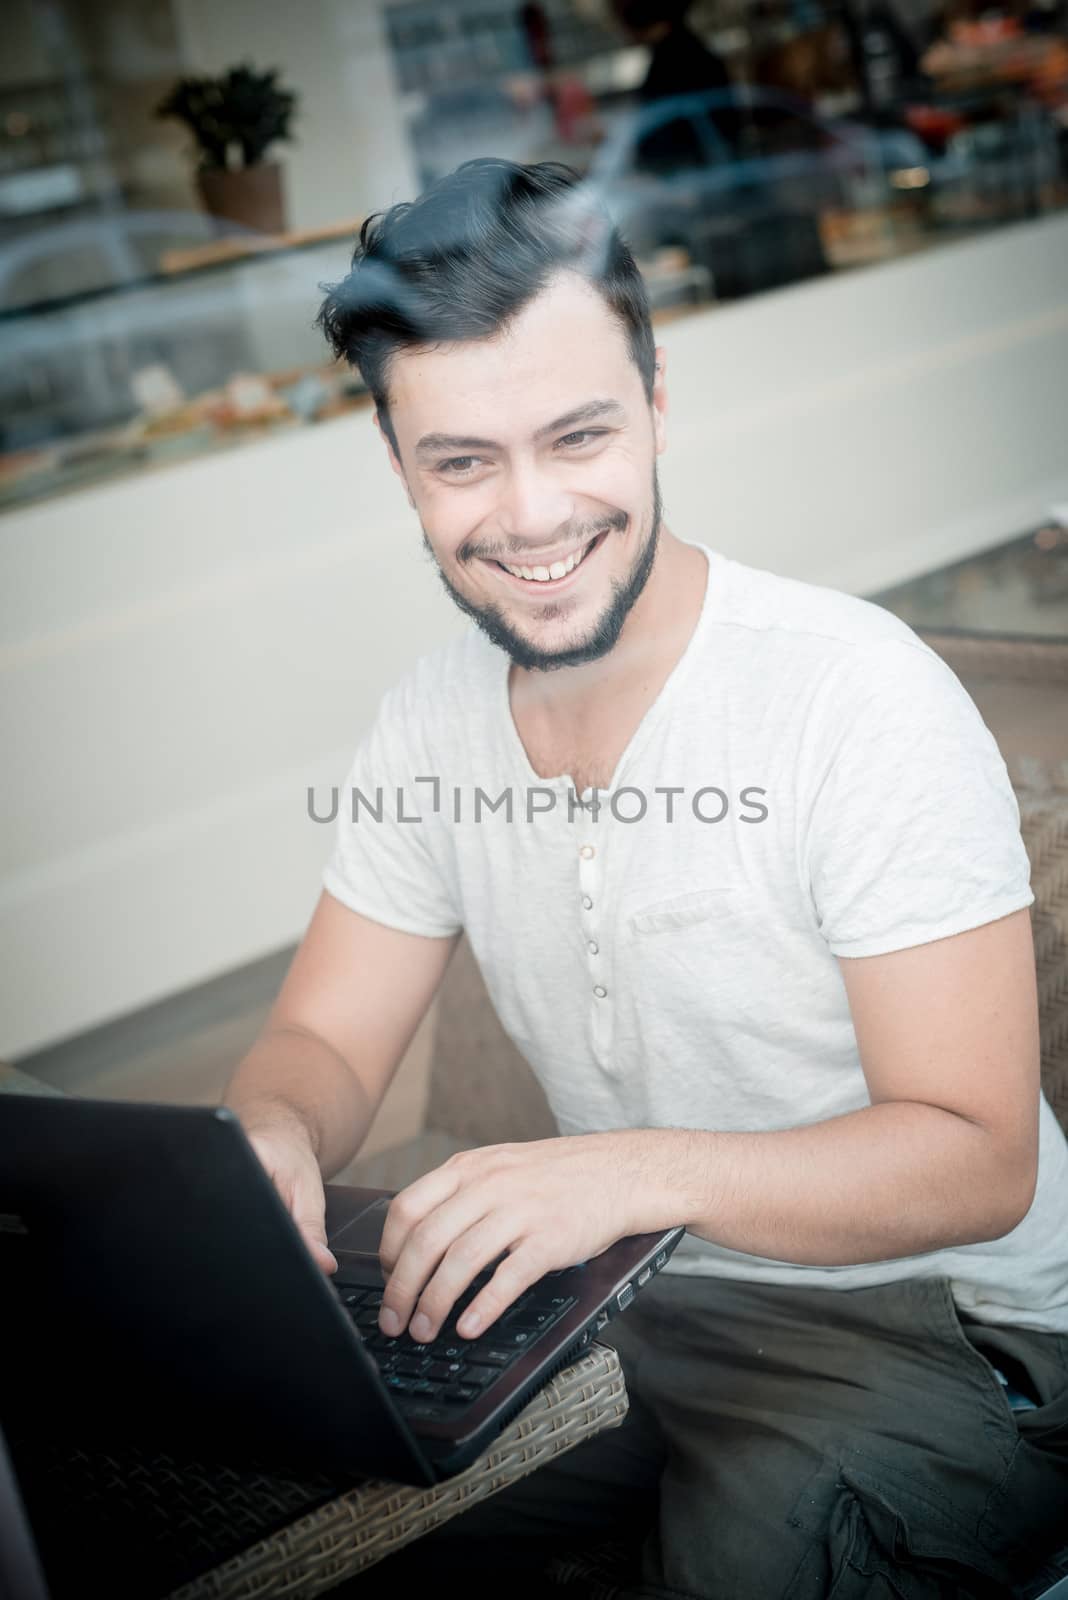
(437, 1381)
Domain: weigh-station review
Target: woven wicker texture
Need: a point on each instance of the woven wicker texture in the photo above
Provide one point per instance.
(987, 656)
(1044, 826)
(1042, 794)
(330, 1544)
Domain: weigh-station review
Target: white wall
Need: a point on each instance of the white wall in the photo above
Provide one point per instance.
(861, 430)
(185, 651)
(349, 153)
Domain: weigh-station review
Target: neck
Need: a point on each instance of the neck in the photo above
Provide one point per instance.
(652, 639)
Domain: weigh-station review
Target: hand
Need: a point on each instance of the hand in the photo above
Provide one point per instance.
(549, 1203)
(290, 1162)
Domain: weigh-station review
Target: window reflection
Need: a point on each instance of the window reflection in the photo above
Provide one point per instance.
(152, 307)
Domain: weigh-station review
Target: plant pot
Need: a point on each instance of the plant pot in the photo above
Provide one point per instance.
(251, 196)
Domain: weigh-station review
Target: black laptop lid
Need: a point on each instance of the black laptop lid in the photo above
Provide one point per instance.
(158, 1289)
(21, 1573)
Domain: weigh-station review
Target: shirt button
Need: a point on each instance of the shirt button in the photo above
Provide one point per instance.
(587, 903)
(592, 946)
(587, 852)
(600, 991)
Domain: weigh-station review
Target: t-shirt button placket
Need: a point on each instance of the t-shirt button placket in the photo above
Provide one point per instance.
(587, 875)
(587, 854)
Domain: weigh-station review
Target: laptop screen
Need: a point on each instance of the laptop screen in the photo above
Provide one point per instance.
(21, 1577)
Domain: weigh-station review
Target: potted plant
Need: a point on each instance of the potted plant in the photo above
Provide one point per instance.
(235, 119)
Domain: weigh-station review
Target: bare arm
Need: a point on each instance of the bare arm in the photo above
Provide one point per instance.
(946, 1153)
(349, 1006)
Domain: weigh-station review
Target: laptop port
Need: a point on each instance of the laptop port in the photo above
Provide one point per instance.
(661, 1258)
(643, 1277)
(625, 1296)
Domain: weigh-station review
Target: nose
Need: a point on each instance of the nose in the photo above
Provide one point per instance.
(533, 506)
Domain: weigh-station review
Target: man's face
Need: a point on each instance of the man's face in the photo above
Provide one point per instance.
(536, 449)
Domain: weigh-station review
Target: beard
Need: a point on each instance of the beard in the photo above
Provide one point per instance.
(605, 631)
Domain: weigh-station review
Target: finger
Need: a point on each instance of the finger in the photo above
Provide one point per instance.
(523, 1267)
(409, 1207)
(480, 1246)
(322, 1254)
(326, 1257)
(311, 1220)
(422, 1254)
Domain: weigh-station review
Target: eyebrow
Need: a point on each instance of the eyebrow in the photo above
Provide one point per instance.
(435, 444)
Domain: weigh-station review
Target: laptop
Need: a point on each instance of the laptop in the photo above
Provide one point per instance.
(21, 1573)
(160, 1292)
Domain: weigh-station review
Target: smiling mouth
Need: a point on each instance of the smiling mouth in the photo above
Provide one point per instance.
(539, 576)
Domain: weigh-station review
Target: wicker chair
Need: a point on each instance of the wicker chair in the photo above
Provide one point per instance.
(483, 1091)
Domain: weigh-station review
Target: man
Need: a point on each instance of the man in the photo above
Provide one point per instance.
(679, 61)
(747, 888)
(680, 65)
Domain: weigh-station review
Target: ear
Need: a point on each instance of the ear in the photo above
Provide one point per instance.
(394, 459)
(660, 400)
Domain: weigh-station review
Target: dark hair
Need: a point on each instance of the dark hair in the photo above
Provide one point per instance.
(466, 256)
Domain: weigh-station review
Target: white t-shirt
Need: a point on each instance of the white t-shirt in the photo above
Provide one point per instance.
(836, 793)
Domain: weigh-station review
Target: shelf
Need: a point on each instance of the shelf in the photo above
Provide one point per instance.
(194, 261)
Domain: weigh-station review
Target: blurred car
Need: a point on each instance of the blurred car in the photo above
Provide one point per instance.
(739, 178)
(56, 259)
(84, 309)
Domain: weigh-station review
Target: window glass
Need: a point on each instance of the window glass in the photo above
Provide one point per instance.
(160, 263)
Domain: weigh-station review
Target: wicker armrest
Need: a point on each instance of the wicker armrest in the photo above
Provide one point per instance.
(367, 1523)
(139, 1524)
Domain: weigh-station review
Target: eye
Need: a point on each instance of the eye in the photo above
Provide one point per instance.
(582, 436)
(458, 466)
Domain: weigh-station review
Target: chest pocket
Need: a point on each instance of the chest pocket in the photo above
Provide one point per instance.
(680, 911)
(707, 959)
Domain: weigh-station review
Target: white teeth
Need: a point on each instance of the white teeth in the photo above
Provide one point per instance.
(559, 569)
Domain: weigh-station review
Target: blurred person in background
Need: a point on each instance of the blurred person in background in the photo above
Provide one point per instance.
(679, 61)
(573, 106)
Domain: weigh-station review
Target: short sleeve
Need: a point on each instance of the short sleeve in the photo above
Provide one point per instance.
(387, 860)
(914, 831)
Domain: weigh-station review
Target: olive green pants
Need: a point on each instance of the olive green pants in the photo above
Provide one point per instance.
(790, 1444)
